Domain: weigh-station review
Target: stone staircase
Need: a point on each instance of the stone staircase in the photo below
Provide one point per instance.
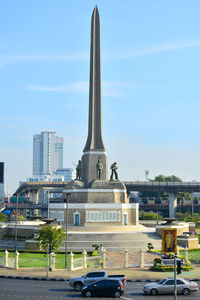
(133, 241)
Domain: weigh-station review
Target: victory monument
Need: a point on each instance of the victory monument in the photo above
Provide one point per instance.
(93, 199)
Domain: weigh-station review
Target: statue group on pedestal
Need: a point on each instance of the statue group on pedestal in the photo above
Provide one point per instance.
(99, 168)
(113, 167)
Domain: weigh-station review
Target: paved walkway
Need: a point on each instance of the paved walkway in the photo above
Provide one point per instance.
(131, 273)
(111, 229)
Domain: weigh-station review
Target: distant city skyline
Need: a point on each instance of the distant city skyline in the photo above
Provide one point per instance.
(47, 153)
(150, 84)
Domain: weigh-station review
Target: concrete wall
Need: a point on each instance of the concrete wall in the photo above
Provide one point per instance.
(181, 227)
(131, 210)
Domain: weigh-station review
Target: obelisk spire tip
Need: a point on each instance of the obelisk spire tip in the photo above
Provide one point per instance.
(96, 9)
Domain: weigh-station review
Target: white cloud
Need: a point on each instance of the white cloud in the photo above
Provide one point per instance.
(111, 89)
(76, 87)
(170, 46)
(160, 48)
(43, 57)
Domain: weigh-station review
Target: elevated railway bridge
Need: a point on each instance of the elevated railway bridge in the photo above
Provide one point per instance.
(32, 189)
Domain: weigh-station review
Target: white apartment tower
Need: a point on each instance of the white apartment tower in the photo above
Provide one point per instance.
(47, 153)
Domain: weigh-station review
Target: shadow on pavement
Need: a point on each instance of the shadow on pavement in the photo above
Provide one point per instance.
(74, 296)
(60, 290)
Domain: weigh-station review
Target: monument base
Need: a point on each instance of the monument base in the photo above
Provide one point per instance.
(102, 214)
(98, 191)
(100, 203)
(185, 233)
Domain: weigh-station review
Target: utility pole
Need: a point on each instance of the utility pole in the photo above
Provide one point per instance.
(175, 289)
(47, 260)
(48, 205)
(66, 228)
(16, 212)
(147, 175)
(192, 206)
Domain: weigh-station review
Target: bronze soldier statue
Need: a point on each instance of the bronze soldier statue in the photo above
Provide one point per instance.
(114, 168)
(99, 167)
(78, 170)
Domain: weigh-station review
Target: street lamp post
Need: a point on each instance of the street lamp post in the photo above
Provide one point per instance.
(180, 202)
(146, 175)
(175, 288)
(48, 204)
(192, 206)
(16, 212)
(66, 228)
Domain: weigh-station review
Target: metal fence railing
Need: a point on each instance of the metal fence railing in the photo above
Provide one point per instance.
(75, 261)
(78, 263)
(31, 262)
(11, 262)
(94, 261)
(1, 261)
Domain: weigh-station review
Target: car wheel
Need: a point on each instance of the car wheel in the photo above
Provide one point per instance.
(88, 294)
(117, 294)
(78, 286)
(186, 292)
(154, 292)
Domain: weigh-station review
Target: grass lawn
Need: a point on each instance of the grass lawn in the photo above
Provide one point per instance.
(39, 260)
(193, 255)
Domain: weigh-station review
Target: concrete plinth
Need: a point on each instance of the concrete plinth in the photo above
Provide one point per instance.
(89, 161)
(180, 226)
(99, 191)
(100, 202)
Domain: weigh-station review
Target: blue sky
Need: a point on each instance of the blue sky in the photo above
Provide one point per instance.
(150, 83)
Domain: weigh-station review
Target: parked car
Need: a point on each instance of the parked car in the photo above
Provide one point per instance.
(91, 277)
(166, 286)
(104, 288)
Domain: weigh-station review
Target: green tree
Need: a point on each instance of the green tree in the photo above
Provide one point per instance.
(148, 215)
(3, 217)
(160, 177)
(187, 217)
(51, 236)
(163, 178)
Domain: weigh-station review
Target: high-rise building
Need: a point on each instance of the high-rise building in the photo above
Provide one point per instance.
(47, 153)
(65, 174)
(1, 181)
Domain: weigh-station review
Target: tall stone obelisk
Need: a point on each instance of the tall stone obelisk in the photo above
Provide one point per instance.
(94, 148)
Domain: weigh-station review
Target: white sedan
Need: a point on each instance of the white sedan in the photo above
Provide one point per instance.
(166, 286)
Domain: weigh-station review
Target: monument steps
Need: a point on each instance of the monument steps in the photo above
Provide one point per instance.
(133, 241)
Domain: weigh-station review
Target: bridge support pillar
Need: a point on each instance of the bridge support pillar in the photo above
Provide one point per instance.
(172, 204)
(34, 196)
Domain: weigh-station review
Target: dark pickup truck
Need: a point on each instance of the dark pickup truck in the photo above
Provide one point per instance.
(91, 277)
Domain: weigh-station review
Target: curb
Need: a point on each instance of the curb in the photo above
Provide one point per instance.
(33, 278)
(63, 279)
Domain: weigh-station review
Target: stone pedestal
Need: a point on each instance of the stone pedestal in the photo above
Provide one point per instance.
(187, 241)
(99, 203)
(180, 226)
(89, 161)
(98, 191)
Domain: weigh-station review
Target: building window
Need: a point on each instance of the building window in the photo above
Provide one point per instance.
(125, 218)
(76, 218)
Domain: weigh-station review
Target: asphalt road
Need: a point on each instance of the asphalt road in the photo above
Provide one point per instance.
(14, 289)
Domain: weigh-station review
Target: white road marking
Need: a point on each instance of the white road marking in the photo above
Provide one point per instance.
(125, 298)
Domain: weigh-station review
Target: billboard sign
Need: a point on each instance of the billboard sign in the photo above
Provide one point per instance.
(1, 172)
(169, 240)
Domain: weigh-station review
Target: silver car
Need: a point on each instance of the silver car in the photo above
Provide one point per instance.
(166, 286)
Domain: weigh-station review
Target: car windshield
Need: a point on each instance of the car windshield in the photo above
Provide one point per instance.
(162, 281)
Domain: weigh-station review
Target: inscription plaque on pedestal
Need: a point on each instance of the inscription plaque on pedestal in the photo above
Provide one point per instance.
(103, 216)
